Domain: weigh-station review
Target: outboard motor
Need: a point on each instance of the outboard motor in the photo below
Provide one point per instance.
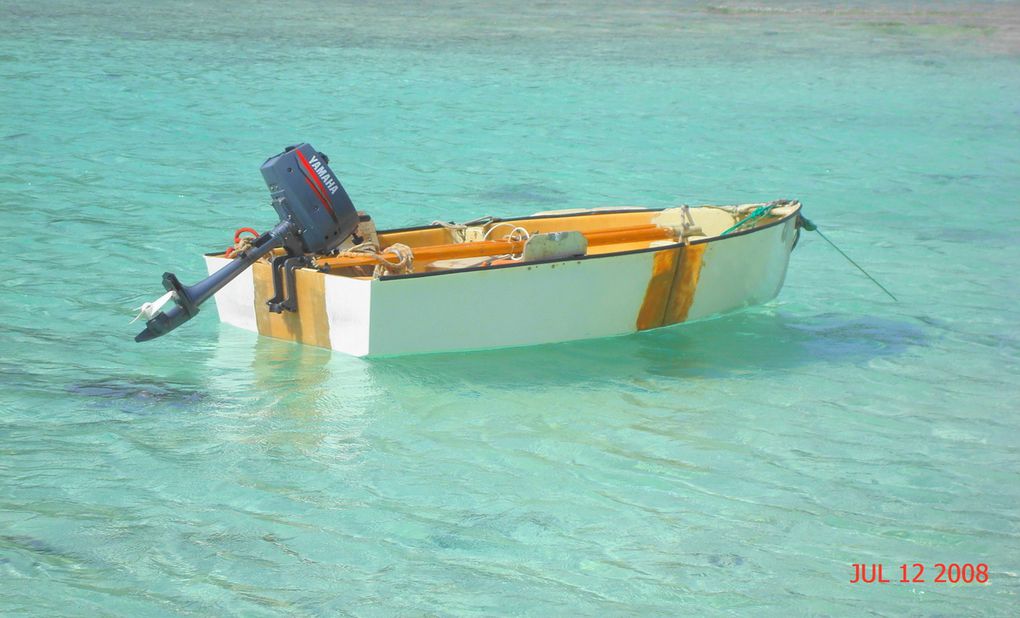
(316, 216)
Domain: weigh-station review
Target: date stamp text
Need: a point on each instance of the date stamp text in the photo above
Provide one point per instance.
(917, 573)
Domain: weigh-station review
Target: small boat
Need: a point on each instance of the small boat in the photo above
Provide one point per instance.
(324, 276)
(545, 278)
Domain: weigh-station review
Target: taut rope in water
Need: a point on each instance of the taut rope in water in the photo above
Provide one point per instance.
(811, 227)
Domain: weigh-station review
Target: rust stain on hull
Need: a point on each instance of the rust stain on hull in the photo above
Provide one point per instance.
(685, 284)
(670, 292)
(653, 309)
(309, 325)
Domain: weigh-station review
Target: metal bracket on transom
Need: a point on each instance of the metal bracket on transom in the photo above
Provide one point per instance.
(285, 283)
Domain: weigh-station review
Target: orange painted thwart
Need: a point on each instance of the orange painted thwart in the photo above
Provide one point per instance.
(498, 247)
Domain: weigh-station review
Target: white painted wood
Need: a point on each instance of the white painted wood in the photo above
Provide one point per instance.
(503, 307)
(348, 310)
(744, 270)
(554, 246)
(235, 302)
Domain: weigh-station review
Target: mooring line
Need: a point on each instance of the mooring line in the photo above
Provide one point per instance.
(849, 259)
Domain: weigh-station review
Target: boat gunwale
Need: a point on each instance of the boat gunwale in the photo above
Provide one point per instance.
(578, 258)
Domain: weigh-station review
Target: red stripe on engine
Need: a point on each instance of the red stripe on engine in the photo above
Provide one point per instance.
(315, 190)
(315, 177)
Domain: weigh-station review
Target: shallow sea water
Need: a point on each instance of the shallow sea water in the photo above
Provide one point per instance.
(731, 467)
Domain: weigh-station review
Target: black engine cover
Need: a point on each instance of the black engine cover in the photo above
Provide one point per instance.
(306, 191)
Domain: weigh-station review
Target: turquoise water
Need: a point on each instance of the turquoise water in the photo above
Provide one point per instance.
(737, 466)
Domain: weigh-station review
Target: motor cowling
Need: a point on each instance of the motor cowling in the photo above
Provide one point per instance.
(304, 189)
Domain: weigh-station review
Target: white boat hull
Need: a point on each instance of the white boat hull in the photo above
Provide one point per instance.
(520, 304)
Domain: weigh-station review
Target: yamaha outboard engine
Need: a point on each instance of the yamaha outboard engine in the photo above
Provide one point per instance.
(315, 217)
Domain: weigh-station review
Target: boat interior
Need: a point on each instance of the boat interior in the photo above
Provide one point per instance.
(610, 230)
(551, 235)
(709, 221)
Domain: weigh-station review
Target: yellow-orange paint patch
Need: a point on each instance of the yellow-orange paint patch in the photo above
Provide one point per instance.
(658, 293)
(685, 284)
(309, 325)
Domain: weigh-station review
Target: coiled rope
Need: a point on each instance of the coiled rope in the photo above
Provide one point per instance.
(241, 244)
(383, 266)
(758, 213)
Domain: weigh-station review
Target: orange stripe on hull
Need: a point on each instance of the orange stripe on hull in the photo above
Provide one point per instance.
(685, 284)
(309, 324)
(653, 309)
(671, 287)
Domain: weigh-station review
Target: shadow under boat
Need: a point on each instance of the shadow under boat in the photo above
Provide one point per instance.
(756, 341)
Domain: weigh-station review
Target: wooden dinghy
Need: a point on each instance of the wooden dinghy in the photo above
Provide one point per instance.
(324, 276)
(545, 278)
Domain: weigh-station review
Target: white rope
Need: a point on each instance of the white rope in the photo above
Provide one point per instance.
(405, 261)
(403, 253)
(457, 230)
(514, 229)
(450, 225)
